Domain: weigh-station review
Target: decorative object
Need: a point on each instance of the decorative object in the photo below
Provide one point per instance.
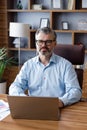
(18, 30)
(37, 6)
(85, 65)
(16, 43)
(70, 4)
(57, 4)
(4, 62)
(65, 25)
(19, 5)
(82, 24)
(84, 4)
(3, 87)
(44, 22)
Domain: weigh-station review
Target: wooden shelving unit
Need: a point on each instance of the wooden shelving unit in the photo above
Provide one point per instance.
(55, 16)
(73, 35)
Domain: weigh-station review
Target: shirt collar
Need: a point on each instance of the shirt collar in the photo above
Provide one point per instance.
(52, 59)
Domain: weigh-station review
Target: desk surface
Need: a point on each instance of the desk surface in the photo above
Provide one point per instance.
(73, 117)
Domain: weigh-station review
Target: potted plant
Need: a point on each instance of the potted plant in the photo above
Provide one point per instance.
(4, 62)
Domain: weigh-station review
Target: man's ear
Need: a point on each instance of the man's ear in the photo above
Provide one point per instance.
(55, 43)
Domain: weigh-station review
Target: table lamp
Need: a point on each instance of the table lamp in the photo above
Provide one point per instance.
(18, 30)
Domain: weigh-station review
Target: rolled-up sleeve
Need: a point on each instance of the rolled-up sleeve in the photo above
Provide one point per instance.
(73, 91)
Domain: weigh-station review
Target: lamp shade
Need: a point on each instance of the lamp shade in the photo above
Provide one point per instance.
(18, 29)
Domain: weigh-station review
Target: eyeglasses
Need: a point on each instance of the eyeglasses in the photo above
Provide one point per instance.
(47, 42)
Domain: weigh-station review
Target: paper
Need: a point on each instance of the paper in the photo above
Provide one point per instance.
(4, 114)
(4, 109)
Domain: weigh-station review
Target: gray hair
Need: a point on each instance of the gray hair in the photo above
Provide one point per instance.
(46, 30)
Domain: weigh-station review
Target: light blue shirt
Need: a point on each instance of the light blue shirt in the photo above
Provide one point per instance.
(57, 79)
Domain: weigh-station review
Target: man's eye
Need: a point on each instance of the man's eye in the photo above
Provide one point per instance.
(40, 41)
(49, 41)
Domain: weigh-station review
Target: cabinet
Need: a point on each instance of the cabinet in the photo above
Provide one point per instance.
(3, 24)
(76, 17)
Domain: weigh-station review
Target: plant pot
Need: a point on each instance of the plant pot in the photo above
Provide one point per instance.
(3, 87)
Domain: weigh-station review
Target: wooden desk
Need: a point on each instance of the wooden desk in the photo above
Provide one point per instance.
(73, 117)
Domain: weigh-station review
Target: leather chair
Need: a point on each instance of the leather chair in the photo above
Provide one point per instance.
(75, 54)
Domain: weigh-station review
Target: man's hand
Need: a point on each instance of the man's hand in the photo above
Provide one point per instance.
(61, 104)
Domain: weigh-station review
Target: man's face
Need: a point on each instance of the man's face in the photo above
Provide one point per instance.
(45, 43)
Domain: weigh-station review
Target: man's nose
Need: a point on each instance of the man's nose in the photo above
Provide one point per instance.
(44, 43)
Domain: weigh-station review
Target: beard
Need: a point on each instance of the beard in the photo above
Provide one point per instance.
(45, 51)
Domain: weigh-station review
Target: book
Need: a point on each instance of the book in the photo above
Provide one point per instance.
(70, 4)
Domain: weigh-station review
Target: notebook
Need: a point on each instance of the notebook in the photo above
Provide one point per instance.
(34, 108)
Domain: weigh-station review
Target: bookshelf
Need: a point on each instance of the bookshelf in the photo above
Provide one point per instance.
(70, 12)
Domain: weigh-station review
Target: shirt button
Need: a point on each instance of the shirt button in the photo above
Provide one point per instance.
(44, 78)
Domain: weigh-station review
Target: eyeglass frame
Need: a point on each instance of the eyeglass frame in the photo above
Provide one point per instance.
(47, 42)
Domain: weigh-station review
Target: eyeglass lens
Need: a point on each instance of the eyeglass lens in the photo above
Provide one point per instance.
(47, 42)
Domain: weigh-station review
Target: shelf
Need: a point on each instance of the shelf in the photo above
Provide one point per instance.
(71, 31)
(15, 10)
(32, 17)
(31, 10)
(22, 49)
(69, 11)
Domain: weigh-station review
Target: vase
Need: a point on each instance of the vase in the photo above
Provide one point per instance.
(3, 88)
(19, 5)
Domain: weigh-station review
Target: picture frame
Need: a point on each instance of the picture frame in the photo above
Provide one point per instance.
(65, 25)
(84, 4)
(44, 22)
(57, 4)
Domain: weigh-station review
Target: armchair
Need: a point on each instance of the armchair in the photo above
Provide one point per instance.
(75, 54)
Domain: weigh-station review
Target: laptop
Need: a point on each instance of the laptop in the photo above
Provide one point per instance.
(34, 108)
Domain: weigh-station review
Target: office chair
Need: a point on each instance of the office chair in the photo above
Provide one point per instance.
(75, 54)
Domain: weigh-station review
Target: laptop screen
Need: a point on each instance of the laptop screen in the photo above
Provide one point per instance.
(37, 108)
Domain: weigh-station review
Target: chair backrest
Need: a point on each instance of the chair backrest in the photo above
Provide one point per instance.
(75, 54)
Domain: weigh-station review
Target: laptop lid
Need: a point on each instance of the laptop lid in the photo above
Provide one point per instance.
(34, 108)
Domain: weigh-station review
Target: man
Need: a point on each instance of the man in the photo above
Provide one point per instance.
(47, 74)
